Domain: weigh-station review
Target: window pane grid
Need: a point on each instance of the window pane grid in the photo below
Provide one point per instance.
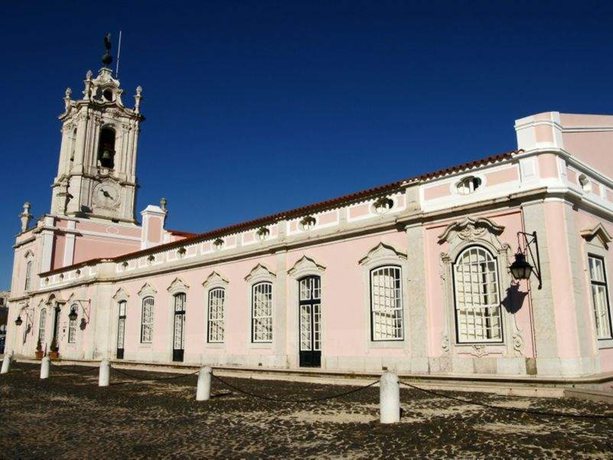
(261, 312)
(386, 304)
(600, 297)
(146, 334)
(28, 275)
(42, 325)
(216, 315)
(478, 312)
(121, 324)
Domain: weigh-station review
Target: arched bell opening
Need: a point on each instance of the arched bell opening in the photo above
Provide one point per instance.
(106, 149)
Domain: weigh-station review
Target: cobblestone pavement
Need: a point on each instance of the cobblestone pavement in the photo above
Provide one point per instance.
(68, 416)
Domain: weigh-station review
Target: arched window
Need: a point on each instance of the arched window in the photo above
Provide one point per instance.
(28, 281)
(386, 303)
(42, 322)
(146, 324)
(106, 147)
(72, 325)
(217, 297)
(477, 301)
(261, 312)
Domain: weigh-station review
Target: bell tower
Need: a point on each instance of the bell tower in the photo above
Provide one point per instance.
(96, 176)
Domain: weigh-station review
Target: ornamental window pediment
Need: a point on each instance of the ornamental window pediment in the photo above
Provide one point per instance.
(215, 280)
(178, 285)
(147, 290)
(472, 229)
(120, 295)
(600, 233)
(382, 254)
(260, 273)
(306, 266)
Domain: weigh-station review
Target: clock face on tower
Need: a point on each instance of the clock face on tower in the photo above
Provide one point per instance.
(106, 195)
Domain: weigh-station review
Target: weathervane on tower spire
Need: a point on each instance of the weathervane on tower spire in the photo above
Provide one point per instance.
(106, 57)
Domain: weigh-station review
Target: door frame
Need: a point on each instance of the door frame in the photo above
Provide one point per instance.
(315, 360)
(303, 267)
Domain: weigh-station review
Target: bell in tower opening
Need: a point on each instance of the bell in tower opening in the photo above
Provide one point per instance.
(106, 149)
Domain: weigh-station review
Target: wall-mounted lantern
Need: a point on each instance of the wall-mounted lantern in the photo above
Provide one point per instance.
(521, 269)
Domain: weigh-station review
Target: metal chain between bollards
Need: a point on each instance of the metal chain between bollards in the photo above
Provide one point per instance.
(293, 401)
(74, 371)
(132, 376)
(508, 409)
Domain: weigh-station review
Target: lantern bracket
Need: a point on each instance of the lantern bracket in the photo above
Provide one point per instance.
(527, 241)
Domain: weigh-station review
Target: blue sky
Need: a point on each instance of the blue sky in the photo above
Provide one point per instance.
(254, 107)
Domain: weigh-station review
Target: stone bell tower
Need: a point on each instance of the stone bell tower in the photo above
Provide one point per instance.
(96, 175)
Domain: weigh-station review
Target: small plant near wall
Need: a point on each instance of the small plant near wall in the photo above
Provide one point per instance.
(218, 243)
(54, 350)
(39, 350)
(307, 223)
(181, 252)
(263, 233)
(383, 204)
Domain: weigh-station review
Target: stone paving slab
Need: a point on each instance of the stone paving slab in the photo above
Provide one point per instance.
(140, 416)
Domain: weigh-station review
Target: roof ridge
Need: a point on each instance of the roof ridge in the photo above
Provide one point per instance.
(295, 212)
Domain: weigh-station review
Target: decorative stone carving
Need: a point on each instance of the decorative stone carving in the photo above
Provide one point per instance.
(470, 229)
(479, 351)
(518, 343)
(445, 343)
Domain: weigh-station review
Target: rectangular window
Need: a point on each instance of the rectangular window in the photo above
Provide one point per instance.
(386, 304)
(600, 297)
(216, 315)
(261, 313)
(146, 330)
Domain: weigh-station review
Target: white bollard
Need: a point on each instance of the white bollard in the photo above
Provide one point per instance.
(105, 373)
(389, 398)
(6, 364)
(44, 368)
(203, 392)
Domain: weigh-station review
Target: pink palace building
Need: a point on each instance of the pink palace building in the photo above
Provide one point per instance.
(412, 276)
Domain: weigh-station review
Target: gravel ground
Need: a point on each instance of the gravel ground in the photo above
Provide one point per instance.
(68, 416)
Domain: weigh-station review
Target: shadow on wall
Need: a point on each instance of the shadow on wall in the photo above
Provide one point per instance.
(514, 299)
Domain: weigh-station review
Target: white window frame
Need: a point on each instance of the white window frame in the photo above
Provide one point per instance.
(146, 326)
(262, 323)
(379, 314)
(215, 325)
(72, 324)
(462, 336)
(42, 325)
(602, 308)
